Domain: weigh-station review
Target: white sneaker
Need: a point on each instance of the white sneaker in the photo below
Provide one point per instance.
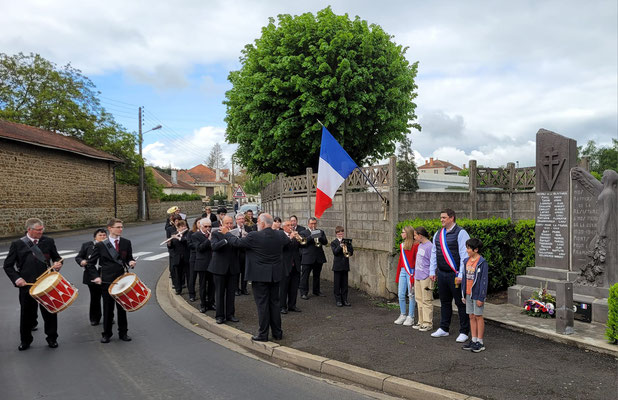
(461, 338)
(425, 328)
(400, 320)
(416, 326)
(409, 321)
(439, 333)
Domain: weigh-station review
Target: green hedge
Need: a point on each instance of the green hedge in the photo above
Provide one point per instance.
(180, 197)
(507, 247)
(612, 319)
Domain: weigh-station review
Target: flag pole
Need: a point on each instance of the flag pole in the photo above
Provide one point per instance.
(363, 172)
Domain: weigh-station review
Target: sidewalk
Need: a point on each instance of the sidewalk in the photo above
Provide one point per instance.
(515, 365)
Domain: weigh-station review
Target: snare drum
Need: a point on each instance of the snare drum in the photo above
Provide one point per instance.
(129, 292)
(53, 292)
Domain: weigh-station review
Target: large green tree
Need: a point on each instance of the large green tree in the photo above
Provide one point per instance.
(36, 92)
(407, 173)
(600, 158)
(347, 73)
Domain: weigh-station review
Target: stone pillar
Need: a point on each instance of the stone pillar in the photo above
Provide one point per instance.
(344, 204)
(280, 189)
(309, 184)
(564, 308)
(511, 168)
(393, 206)
(472, 184)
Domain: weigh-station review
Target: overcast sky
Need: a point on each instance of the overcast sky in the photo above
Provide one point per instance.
(491, 73)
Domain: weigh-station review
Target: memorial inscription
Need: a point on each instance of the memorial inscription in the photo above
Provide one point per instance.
(584, 222)
(552, 225)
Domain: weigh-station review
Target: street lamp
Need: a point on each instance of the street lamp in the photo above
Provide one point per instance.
(141, 204)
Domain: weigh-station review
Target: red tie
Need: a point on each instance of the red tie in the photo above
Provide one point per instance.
(116, 244)
(36, 241)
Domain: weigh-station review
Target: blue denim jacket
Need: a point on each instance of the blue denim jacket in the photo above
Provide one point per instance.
(480, 283)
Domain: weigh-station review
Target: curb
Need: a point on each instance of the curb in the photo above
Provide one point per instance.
(388, 384)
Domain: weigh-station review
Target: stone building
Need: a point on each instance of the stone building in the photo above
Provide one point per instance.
(439, 167)
(171, 184)
(208, 181)
(53, 177)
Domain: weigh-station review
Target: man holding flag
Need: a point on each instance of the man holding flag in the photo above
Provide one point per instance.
(447, 255)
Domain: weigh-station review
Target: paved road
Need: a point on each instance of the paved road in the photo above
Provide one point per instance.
(163, 361)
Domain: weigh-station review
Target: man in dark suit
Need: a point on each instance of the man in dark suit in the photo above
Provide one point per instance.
(115, 256)
(294, 224)
(225, 269)
(179, 254)
(312, 258)
(291, 268)
(33, 254)
(95, 290)
(200, 241)
(264, 270)
(243, 230)
(341, 267)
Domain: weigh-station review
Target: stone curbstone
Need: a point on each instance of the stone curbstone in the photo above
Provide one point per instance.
(244, 339)
(414, 390)
(353, 373)
(299, 358)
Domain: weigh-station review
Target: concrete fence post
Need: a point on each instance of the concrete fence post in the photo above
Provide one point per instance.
(309, 184)
(472, 184)
(393, 206)
(564, 308)
(280, 189)
(511, 167)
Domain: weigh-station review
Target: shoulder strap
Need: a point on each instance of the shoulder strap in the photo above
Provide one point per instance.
(36, 251)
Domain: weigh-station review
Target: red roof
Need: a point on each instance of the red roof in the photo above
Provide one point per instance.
(40, 137)
(439, 164)
(166, 180)
(203, 174)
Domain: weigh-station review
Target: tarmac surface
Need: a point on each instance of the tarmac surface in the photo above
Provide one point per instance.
(517, 364)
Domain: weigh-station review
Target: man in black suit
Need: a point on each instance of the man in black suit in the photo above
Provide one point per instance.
(179, 254)
(33, 254)
(95, 290)
(224, 267)
(294, 224)
(312, 258)
(115, 256)
(341, 267)
(291, 269)
(200, 241)
(264, 270)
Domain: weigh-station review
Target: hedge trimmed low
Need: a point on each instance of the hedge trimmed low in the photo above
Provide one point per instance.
(508, 247)
(612, 319)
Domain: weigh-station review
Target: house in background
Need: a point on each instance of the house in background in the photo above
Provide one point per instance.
(208, 181)
(439, 167)
(171, 184)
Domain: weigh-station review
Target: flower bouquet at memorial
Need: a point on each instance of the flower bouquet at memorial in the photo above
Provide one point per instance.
(542, 304)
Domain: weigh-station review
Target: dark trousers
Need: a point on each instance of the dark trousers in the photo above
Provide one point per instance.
(225, 288)
(191, 279)
(28, 316)
(182, 270)
(340, 286)
(242, 283)
(108, 314)
(207, 288)
(304, 278)
(173, 273)
(288, 290)
(448, 292)
(266, 295)
(95, 302)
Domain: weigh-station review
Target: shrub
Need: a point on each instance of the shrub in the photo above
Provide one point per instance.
(612, 319)
(180, 197)
(507, 247)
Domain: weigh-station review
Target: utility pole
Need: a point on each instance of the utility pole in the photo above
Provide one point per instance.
(141, 198)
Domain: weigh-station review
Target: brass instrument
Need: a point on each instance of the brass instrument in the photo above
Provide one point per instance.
(317, 242)
(344, 247)
(316, 234)
(299, 239)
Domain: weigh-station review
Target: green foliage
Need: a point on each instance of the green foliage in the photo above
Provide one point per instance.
(347, 73)
(180, 197)
(507, 247)
(612, 319)
(218, 198)
(36, 92)
(464, 172)
(255, 183)
(407, 173)
(155, 191)
(600, 158)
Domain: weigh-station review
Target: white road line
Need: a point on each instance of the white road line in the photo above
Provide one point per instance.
(4, 253)
(64, 251)
(141, 253)
(157, 256)
(65, 256)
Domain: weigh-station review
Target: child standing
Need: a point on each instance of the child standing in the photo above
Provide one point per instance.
(423, 285)
(341, 267)
(474, 292)
(405, 276)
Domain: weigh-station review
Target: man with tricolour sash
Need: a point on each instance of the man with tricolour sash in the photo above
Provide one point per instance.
(447, 255)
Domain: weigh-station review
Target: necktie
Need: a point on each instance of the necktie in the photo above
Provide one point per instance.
(36, 241)
(116, 244)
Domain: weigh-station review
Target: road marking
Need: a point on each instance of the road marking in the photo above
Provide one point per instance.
(141, 253)
(65, 256)
(156, 256)
(4, 253)
(65, 251)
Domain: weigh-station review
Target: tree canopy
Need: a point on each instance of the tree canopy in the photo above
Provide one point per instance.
(215, 158)
(407, 173)
(348, 74)
(600, 158)
(36, 92)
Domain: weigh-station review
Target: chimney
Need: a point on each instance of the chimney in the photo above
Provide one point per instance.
(430, 160)
(464, 167)
(218, 174)
(174, 176)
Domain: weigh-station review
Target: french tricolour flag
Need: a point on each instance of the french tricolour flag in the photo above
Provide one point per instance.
(335, 166)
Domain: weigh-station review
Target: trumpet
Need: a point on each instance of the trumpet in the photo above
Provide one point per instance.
(344, 247)
(299, 239)
(317, 243)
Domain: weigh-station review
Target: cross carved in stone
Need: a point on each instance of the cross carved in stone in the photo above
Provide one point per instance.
(550, 174)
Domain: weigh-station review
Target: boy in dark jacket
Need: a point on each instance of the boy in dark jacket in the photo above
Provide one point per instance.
(474, 292)
(341, 267)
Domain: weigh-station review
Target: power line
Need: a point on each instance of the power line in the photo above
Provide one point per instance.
(118, 101)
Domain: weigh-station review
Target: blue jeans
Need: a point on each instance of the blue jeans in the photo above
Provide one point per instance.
(404, 281)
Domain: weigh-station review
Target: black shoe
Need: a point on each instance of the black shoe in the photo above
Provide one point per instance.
(179, 292)
(233, 319)
(238, 293)
(191, 299)
(94, 323)
(319, 294)
(295, 309)
(210, 308)
(278, 337)
(23, 346)
(256, 338)
(52, 343)
(284, 311)
(219, 320)
(347, 304)
(304, 297)
(202, 310)
(105, 339)
(339, 304)
(244, 291)
(125, 338)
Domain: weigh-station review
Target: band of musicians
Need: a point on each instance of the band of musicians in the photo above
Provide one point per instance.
(213, 258)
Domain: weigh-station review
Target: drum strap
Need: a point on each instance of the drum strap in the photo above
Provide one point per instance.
(112, 251)
(36, 251)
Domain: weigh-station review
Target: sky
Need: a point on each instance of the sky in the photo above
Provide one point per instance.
(490, 75)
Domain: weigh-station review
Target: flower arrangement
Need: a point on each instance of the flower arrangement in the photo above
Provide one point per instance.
(541, 304)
